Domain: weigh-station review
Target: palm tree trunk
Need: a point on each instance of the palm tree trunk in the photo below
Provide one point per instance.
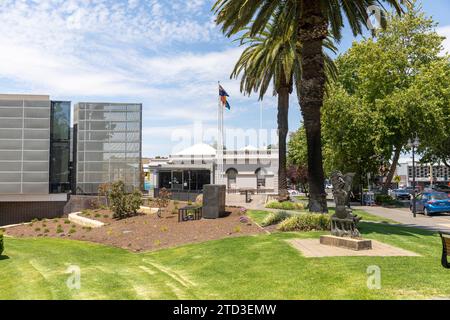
(313, 29)
(392, 169)
(283, 111)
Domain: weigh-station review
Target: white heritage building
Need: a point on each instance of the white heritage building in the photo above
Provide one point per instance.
(184, 173)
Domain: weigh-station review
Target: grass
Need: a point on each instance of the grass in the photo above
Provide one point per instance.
(302, 198)
(251, 267)
(285, 205)
(259, 215)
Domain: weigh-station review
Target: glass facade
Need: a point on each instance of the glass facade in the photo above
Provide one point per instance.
(107, 147)
(60, 147)
(24, 144)
(184, 180)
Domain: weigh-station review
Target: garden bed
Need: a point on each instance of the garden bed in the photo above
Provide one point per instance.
(141, 232)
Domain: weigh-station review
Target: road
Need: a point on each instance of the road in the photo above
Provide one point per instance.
(404, 216)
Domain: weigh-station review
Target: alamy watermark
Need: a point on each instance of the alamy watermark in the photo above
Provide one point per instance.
(373, 277)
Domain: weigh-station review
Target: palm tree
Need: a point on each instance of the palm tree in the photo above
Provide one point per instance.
(271, 58)
(313, 21)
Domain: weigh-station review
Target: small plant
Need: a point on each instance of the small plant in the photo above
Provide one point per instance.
(98, 215)
(237, 229)
(306, 222)
(163, 199)
(189, 203)
(123, 204)
(157, 242)
(275, 218)
(175, 211)
(59, 229)
(44, 225)
(164, 229)
(37, 229)
(175, 203)
(72, 230)
(105, 216)
(46, 230)
(34, 220)
(66, 221)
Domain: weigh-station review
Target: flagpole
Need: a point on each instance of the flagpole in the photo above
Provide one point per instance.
(219, 140)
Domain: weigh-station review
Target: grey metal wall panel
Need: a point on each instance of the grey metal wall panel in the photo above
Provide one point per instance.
(108, 145)
(24, 145)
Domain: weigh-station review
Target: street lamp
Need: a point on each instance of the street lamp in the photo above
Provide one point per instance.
(413, 144)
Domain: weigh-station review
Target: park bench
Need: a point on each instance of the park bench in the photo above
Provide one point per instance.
(445, 249)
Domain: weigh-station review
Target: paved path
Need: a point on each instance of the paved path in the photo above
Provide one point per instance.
(405, 217)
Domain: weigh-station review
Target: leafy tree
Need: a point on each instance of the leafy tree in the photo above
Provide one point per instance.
(382, 96)
(312, 22)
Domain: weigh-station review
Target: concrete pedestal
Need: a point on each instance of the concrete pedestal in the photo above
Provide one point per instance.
(213, 201)
(348, 243)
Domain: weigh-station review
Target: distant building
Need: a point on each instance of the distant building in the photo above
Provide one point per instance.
(426, 174)
(107, 145)
(186, 172)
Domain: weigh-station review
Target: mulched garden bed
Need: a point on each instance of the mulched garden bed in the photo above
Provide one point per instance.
(142, 232)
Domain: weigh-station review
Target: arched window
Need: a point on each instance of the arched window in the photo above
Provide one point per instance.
(232, 178)
(260, 178)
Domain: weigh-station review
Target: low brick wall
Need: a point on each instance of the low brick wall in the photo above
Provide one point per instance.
(19, 212)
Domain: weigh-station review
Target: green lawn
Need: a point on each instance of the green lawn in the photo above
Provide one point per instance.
(255, 267)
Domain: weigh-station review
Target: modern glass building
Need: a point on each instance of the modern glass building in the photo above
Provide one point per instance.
(107, 145)
(60, 147)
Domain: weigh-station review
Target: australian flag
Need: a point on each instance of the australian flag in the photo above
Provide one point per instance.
(223, 97)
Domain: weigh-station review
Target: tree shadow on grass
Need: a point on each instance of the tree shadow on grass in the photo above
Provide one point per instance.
(367, 228)
(3, 257)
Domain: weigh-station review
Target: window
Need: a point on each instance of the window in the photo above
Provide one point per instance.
(232, 177)
(260, 178)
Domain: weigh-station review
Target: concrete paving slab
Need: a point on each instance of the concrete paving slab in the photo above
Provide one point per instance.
(311, 248)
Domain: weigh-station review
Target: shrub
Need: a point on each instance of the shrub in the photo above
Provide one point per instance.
(386, 200)
(67, 221)
(274, 218)
(72, 230)
(124, 205)
(285, 205)
(1, 243)
(59, 229)
(306, 222)
(163, 198)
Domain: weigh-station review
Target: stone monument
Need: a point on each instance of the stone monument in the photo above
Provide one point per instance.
(213, 201)
(343, 223)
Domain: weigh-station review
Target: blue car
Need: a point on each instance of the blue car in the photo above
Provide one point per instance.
(432, 202)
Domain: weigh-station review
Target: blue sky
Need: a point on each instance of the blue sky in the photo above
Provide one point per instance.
(167, 54)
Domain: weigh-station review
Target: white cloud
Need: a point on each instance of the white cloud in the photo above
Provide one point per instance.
(445, 32)
(134, 50)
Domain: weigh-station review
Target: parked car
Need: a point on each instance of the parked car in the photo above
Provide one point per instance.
(442, 188)
(400, 194)
(293, 192)
(432, 202)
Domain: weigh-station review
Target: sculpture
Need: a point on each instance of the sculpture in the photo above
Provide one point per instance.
(343, 222)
